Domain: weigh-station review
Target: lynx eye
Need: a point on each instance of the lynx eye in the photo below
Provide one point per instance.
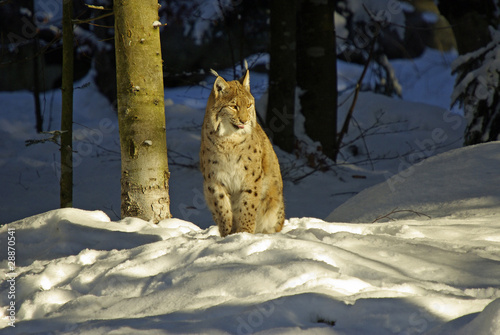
(249, 106)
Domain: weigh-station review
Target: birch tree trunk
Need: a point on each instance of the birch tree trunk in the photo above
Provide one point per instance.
(141, 115)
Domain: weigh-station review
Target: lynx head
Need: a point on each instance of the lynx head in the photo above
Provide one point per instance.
(231, 106)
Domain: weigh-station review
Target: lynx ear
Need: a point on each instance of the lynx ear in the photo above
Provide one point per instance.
(220, 86)
(245, 80)
(212, 71)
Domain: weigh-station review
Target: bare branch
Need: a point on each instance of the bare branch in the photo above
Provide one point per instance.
(348, 117)
(395, 211)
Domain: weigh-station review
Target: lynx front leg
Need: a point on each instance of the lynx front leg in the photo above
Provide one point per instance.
(244, 212)
(218, 201)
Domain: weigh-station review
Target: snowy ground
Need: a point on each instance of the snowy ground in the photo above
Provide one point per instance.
(82, 271)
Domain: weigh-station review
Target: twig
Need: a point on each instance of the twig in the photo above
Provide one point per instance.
(78, 21)
(396, 210)
(297, 179)
(364, 143)
(97, 7)
(55, 137)
(343, 193)
(348, 117)
(19, 181)
(118, 216)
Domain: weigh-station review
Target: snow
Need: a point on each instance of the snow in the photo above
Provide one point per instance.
(80, 273)
(430, 17)
(85, 271)
(384, 11)
(426, 79)
(208, 12)
(421, 188)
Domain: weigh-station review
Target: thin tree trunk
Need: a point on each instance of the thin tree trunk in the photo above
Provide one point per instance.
(66, 184)
(36, 86)
(282, 81)
(141, 116)
(348, 117)
(36, 73)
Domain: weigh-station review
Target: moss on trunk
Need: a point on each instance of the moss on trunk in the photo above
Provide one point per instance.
(141, 116)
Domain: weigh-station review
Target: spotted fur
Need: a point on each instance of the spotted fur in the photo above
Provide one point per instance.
(242, 179)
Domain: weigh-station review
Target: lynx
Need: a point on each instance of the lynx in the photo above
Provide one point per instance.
(242, 179)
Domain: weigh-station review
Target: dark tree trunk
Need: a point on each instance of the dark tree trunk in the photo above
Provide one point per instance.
(282, 82)
(317, 71)
(67, 107)
(36, 86)
(469, 21)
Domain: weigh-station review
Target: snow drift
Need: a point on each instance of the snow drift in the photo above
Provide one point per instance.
(460, 183)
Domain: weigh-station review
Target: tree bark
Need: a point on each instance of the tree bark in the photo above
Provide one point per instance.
(36, 72)
(36, 86)
(66, 183)
(317, 71)
(141, 116)
(282, 81)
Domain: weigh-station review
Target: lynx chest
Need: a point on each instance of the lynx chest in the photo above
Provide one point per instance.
(236, 167)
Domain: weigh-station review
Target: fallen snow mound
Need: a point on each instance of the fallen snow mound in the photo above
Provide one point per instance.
(80, 273)
(461, 183)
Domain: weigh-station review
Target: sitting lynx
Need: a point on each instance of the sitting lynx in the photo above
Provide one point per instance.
(242, 179)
